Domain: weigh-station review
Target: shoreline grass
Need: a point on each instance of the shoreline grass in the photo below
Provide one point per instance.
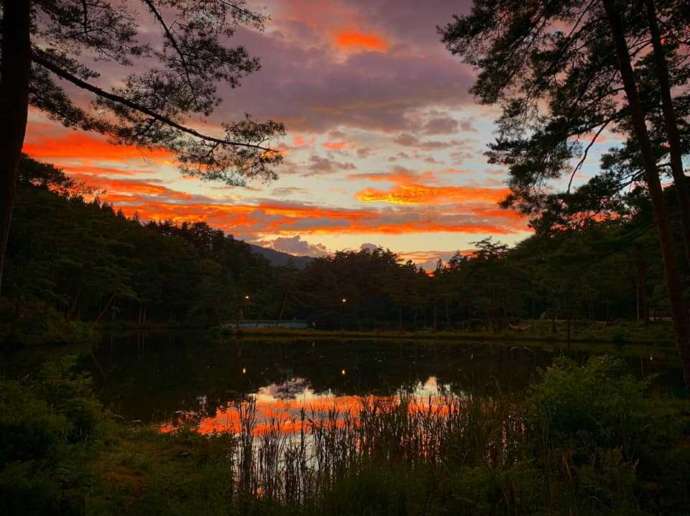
(658, 333)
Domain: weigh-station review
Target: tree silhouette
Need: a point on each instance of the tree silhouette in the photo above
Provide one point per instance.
(143, 73)
(563, 72)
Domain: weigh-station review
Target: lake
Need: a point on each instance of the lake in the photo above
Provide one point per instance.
(193, 379)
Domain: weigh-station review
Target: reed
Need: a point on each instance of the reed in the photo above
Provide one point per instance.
(436, 434)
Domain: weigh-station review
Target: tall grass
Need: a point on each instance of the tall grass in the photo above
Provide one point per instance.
(322, 449)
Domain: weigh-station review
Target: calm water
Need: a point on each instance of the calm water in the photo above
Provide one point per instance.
(170, 379)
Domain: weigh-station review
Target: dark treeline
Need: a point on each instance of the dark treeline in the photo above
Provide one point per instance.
(85, 261)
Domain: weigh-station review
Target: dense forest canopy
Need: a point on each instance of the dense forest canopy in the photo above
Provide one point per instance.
(114, 268)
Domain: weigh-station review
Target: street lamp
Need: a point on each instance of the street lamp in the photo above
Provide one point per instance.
(342, 313)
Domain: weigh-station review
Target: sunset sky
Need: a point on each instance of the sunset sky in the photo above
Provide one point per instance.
(384, 146)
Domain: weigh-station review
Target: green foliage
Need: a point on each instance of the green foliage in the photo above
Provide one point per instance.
(602, 438)
(36, 322)
(48, 423)
(595, 406)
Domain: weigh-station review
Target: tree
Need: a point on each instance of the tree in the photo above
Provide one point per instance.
(563, 72)
(179, 51)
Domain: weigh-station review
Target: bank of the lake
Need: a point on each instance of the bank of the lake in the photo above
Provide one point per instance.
(654, 333)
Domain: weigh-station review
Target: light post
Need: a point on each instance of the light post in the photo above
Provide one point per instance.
(247, 301)
(343, 302)
(240, 310)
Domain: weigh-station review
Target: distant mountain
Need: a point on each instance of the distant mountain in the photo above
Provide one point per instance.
(280, 259)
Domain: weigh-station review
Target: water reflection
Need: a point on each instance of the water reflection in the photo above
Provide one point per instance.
(169, 379)
(285, 406)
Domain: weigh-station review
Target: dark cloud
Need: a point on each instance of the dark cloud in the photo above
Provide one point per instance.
(409, 140)
(320, 165)
(286, 191)
(364, 152)
(441, 125)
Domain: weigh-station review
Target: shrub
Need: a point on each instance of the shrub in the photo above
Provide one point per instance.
(47, 424)
(594, 406)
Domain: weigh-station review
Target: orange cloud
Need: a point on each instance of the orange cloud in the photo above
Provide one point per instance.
(82, 146)
(413, 193)
(95, 170)
(253, 220)
(118, 190)
(335, 146)
(299, 141)
(356, 40)
(154, 201)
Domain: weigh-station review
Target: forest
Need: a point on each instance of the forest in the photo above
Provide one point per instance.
(114, 269)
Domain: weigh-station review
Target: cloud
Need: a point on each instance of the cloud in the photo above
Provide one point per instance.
(427, 260)
(335, 146)
(414, 193)
(355, 40)
(409, 140)
(295, 246)
(86, 147)
(307, 86)
(440, 125)
(398, 175)
(369, 247)
(251, 220)
(285, 191)
(364, 152)
(320, 165)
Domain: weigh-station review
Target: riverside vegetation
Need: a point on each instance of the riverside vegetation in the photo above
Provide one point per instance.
(585, 439)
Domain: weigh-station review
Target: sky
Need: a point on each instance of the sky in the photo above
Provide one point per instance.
(384, 142)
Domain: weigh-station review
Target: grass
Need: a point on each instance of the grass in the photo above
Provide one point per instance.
(582, 332)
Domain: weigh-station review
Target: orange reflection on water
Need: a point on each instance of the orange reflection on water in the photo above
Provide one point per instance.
(288, 407)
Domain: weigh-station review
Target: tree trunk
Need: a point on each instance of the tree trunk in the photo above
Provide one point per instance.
(105, 308)
(14, 105)
(641, 281)
(672, 133)
(679, 311)
(282, 306)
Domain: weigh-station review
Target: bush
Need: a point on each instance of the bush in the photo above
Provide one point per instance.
(600, 436)
(594, 406)
(35, 323)
(46, 427)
